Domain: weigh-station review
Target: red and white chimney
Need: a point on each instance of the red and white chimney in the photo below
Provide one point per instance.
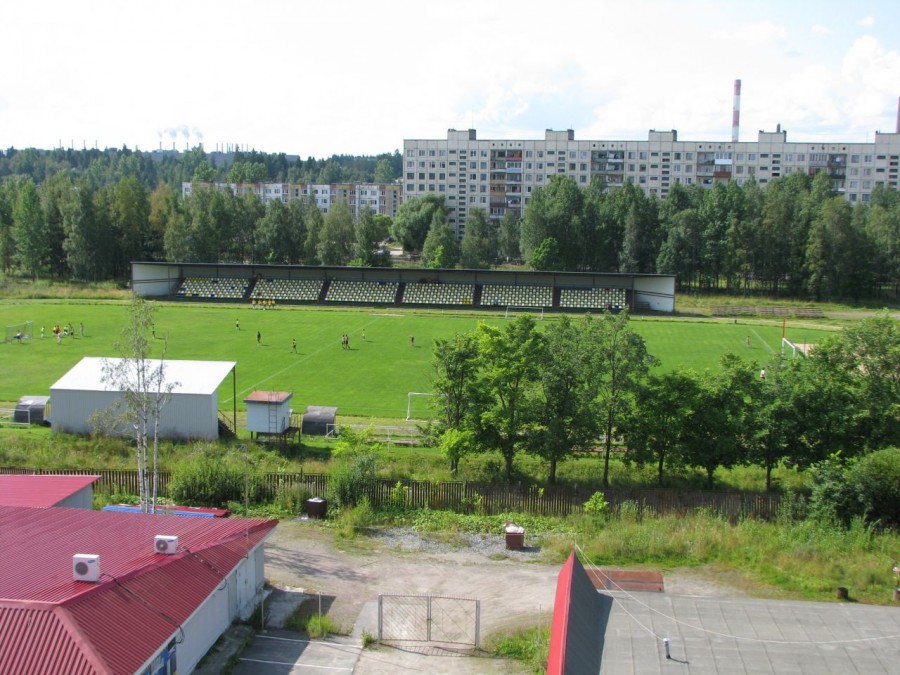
(736, 112)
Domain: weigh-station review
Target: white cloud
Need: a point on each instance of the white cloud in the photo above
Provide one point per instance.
(819, 29)
(866, 22)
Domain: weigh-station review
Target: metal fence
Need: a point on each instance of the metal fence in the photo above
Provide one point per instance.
(429, 618)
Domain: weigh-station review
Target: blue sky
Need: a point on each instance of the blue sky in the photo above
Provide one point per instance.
(319, 77)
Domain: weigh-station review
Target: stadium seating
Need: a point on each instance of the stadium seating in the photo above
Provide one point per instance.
(214, 288)
(519, 296)
(297, 290)
(438, 294)
(382, 292)
(591, 298)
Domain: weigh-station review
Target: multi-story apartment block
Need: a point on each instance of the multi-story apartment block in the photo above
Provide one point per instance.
(500, 175)
(383, 198)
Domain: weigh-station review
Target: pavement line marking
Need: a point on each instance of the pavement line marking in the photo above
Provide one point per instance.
(309, 642)
(295, 664)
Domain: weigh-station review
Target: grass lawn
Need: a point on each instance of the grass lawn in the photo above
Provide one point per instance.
(371, 379)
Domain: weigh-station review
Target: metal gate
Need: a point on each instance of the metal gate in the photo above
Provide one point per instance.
(429, 618)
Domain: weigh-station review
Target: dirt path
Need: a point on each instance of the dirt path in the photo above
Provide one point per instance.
(514, 587)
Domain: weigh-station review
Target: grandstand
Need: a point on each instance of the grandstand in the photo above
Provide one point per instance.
(487, 289)
(290, 290)
(216, 288)
(592, 298)
(368, 292)
(421, 293)
(522, 296)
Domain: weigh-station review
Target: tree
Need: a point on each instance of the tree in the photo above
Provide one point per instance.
(510, 359)
(129, 217)
(864, 360)
(145, 392)
(547, 256)
(622, 362)
(510, 232)
(384, 171)
(715, 432)
(414, 219)
(336, 240)
(654, 428)
(478, 247)
(87, 243)
(440, 250)
(7, 225)
(30, 230)
(315, 223)
(567, 416)
(555, 211)
(459, 391)
(370, 230)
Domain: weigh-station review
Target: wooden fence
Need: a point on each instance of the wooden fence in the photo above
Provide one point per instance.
(471, 497)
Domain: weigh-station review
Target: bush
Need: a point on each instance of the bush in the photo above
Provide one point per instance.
(875, 480)
(597, 505)
(353, 479)
(214, 481)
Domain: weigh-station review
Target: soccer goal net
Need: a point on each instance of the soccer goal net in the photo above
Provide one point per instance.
(512, 311)
(19, 331)
(788, 347)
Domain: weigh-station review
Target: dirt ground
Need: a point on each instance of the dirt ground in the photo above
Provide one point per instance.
(515, 588)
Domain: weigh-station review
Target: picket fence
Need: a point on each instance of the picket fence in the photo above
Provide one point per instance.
(472, 497)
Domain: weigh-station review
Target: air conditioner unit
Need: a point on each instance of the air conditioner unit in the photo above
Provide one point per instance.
(86, 567)
(164, 543)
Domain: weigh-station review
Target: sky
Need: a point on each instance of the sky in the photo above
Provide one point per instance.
(323, 77)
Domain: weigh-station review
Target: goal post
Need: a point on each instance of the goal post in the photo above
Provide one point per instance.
(788, 345)
(19, 331)
(513, 311)
(409, 400)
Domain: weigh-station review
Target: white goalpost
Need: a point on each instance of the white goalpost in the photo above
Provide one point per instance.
(802, 349)
(515, 310)
(409, 399)
(19, 331)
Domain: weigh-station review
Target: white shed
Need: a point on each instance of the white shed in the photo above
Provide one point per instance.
(268, 412)
(192, 411)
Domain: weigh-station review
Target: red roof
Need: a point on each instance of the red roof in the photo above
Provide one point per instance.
(51, 623)
(268, 397)
(42, 491)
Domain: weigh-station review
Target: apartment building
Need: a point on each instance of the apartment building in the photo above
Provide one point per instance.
(500, 175)
(383, 198)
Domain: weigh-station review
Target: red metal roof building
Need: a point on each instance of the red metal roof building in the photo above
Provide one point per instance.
(46, 490)
(148, 611)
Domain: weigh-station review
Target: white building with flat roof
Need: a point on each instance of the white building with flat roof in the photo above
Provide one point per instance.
(499, 175)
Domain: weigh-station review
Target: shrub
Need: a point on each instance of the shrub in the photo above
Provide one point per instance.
(875, 480)
(352, 479)
(214, 481)
(597, 505)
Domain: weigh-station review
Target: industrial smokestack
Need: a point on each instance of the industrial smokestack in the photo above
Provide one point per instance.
(736, 113)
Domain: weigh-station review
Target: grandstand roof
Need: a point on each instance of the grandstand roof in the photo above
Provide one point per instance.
(51, 623)
(187, 377)
(40, 491)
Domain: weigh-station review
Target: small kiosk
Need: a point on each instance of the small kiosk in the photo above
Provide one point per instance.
(269, 416)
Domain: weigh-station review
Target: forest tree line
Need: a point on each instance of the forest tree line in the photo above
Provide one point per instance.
(88, 214)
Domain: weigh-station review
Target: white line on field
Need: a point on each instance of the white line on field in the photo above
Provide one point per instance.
(765, 344)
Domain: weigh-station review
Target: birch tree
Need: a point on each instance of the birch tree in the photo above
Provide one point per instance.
(145, 391)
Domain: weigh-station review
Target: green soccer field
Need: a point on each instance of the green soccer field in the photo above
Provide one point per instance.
(370, 379)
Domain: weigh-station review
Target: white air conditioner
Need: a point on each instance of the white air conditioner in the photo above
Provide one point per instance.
(86, 567)
(164, 543)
